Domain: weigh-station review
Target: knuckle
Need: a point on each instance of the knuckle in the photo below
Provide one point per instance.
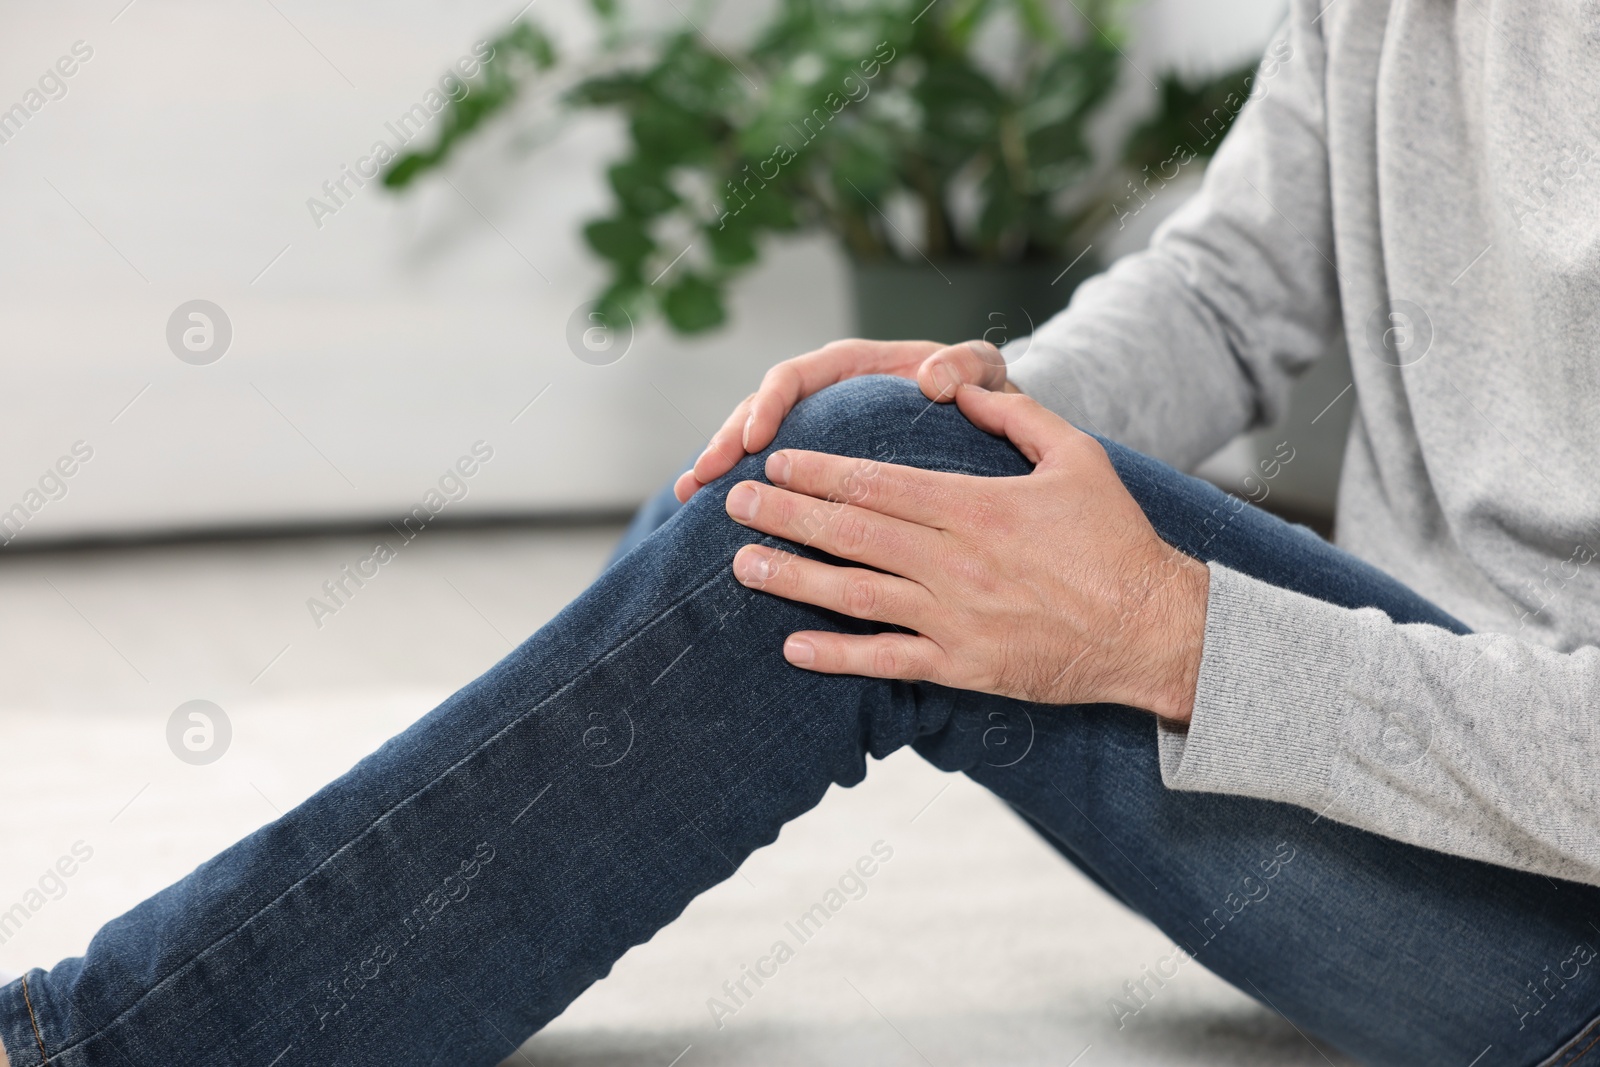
(1086, 448)
(935, 498)
(806, 468)
(806, 529)
(979, 355)
(886, 661)
(773, 510)
(982, 507)
(969, 571)
(773, 381)
(853, 535)
(861, 598)
(857, 484)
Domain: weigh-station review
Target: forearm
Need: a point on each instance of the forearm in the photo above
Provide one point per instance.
(1325, 683)
(1477, 745)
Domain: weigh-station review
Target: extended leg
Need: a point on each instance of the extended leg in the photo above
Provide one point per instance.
(457, 889)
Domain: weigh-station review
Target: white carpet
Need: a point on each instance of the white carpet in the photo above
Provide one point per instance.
(973, 944)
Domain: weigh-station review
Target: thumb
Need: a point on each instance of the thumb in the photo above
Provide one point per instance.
(1034, 429)
(969, 363)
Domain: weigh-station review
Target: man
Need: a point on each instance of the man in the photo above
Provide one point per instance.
(1381, 823)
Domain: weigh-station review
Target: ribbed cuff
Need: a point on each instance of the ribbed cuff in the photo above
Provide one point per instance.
(1271, 705)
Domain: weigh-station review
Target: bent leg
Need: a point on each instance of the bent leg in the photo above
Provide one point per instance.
(1397, 954)
(453, 892)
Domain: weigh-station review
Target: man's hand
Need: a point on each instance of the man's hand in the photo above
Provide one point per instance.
(938, 369)
(1052, 587)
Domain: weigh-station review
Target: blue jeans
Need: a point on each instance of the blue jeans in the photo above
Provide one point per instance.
(453, 892)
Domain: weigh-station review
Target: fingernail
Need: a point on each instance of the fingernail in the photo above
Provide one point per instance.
(945, 379)
(742, 502)
(778, 469)
(751, 566)
(799, 651)
(749, 421)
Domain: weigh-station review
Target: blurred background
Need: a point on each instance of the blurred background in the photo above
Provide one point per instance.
(375, 338)
(275, 275)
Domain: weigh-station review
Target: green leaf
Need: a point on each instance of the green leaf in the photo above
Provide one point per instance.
(864, 158)
(623, 299)
(403, 171)
(670, 133)
(732, 245)
(642, 188)
(693, 304)
(606, 90)
(1002, 209)
(487, 93)
(529, 40)
(772, 208)
(1193, 115)
(694, 78)
(961, 108)
(964, 18)
(622, 240)
(925, 124)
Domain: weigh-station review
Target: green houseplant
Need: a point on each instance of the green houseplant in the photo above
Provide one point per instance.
(890, 124)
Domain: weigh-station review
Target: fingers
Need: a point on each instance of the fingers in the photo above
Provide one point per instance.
(841, 530)
(853, 591)
(685, 487)
(898, 656)
(754, 423)
(909, 493)
(969, 363)
(782, 388)
(725, 448)
(1034, 429)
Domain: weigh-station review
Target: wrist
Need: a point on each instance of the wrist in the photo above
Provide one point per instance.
(1172, 639)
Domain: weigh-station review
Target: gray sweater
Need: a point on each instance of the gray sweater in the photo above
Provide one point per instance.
(1423, 175)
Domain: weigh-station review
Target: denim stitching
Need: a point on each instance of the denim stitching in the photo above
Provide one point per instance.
(684, 599)
(584, 673)
(1560, 1057)
(44, 1057)
(1587, 1048)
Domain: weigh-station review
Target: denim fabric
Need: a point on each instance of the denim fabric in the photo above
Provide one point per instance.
(453, 892)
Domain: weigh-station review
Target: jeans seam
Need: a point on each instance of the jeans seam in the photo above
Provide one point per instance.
(1559, 1058)
(675, 605)
(44, 1057)
(607, 654)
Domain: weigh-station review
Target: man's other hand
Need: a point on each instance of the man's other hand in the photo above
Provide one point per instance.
(937, 368)
(1051, 587)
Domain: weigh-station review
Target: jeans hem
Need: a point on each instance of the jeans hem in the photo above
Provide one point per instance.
(20, 1028)
(1578, 1049)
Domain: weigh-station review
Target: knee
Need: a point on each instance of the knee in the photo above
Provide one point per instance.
(888, 420)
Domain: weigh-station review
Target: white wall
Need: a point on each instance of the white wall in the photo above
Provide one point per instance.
(370, 353)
